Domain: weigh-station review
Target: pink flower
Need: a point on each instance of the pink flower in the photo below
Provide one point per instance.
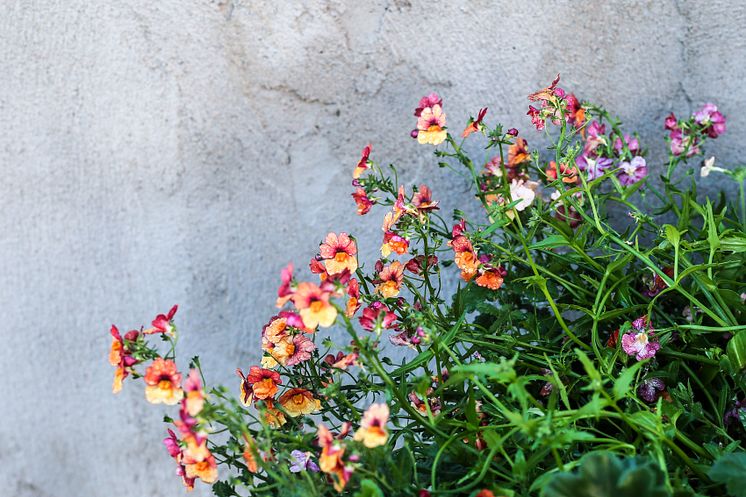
(536, 118)
(682, 142)
(431, 125)
(338, 253)
(632, 145)
(285, 292)
(633, 171)
(711, 120)
(428, 101)
(639, 341)
(377, 313)
(671, 123)
(303, 349)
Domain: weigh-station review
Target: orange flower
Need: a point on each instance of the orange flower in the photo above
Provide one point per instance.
(390, 280)
(248, 454)
(372, 430)
(468, 263)
(195, 396)
(206, 470)
(330, 460)
(338, 253)
(274, 417)
(476, 124)
(259, 384)
(353, 303)
(545, 93)
(120, 357)
(569, 173)
(163, 381)
(313, 305)
(491, 279)
(277, 343)
(518, 153)
(394, 243)
(299, 401)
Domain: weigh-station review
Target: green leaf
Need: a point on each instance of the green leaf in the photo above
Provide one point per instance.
(501, 371)
(603, 474)
(622, 383)
(593, 373)
(736, 349)
(552, 241)
(368, 488)
(730, 470)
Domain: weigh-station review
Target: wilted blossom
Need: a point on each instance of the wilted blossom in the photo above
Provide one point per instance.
(630, 141)
(639, 341)
(651, 389)
(633, 171)
(712, 121)
(301, 461)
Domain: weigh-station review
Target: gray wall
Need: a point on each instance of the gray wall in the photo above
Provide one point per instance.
(182, 151)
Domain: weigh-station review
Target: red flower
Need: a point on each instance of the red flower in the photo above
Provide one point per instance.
(376, 313)
(476, 124)
(362, 164)
(163, 323)
(364, 203)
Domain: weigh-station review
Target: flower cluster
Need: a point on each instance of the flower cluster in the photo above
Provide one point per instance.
(478, 356)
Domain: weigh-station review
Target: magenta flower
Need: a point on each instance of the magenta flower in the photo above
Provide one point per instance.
(671, 123)
(632, 144)
(682, 142)
(639, 341)
(536, 118)
(711, 120)
(633, 171)
(303, 347)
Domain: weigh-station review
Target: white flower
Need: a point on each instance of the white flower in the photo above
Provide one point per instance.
(708, 167)
(524, 191)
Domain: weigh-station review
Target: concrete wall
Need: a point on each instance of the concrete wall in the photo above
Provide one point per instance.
(182, 151)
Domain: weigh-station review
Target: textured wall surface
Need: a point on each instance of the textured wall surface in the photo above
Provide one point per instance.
(182, 151)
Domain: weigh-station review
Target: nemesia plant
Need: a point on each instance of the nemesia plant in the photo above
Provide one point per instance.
(574, 351)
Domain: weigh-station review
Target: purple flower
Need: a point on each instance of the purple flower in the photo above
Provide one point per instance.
(651, 389)
(302, 461)
(682, 142)
(633, 171)
(632, 145)
(711, 120)
(735, 413)
(639, 341)
(592, 167)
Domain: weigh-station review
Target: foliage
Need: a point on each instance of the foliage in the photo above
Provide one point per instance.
(581, 353)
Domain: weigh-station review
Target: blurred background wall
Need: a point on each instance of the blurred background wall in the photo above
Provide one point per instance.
(182, 151)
